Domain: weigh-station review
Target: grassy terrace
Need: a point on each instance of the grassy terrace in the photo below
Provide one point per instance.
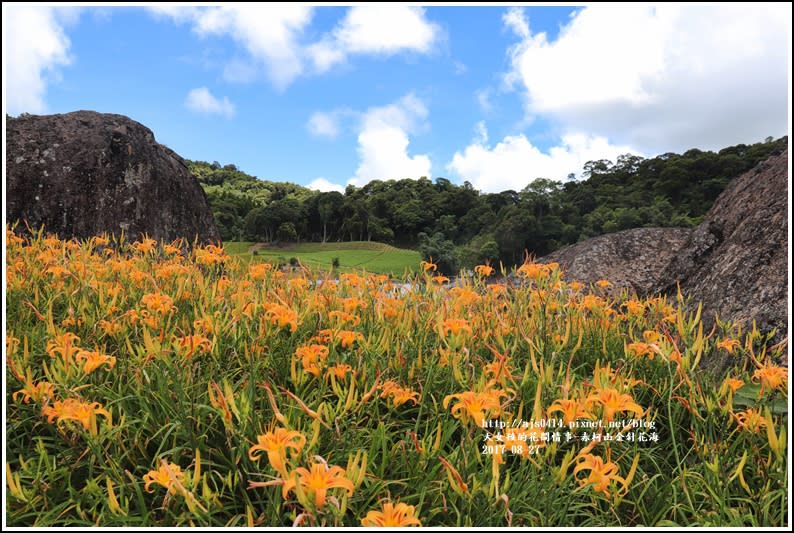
(374, 257)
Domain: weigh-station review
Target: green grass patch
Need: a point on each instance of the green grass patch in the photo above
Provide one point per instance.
(373, 257)
(237, 248)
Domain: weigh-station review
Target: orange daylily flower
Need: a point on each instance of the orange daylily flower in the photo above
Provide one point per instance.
(58, 272)
(298, 283)
(52, 241)
(771, 377)
(428, 265)
(591, 302)
(388, 386)
(64, 345)
(475, 406)
(259, 270)
(145, 246)
(379, 279)
(210, 255)
(391, 515)
(464, 296)
(731, 384)
(192, 344)
(170, 271)
(168, 475)
(601, 473)
(324, 336)
(403, 395)
(35, 391)
(94, 360)
(312, 356)
(352, 279)
(318, 481)
(613, 402)
(603, 284)
(223, 284)
(138, 277)
(12, 238)
(204, 325)
(399, 395)
(483, 270)
(751, 420)
(634, 307)
(652, 337)
(71, 321)
(158, 303)
(499, 370)
(282, 316)
(638, 349)
(441, 279)
(390, 307)
(534, 270)
(572, 410)
(350, 305)
(275, 443)
(347, 338)
(77, 410)
(343, 317)
(455, 326)
(339, 370)
(497, 289)
(173, 248)
(728, 345)
(110, 328)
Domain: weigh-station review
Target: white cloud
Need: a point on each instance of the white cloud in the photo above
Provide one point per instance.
(480, 133)
(270, 34)
(515, 19)
(383, 142)
(178, 13)
(660, 78)
(323, 185)
(383, 138)
(201, 100)
(35, 45)
(274, 36)
(324, 124)
(484, 100)
(514, 162)
(375, 29)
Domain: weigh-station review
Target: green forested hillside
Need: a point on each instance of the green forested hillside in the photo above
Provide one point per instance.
(461, 226)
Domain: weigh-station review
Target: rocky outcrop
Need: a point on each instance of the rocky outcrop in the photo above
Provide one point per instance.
(633, 259)
(735, 262)
(84, 173)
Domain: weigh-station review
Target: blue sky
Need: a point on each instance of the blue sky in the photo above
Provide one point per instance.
(327, 96)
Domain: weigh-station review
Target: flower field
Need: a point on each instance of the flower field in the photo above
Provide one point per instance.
(148, 384)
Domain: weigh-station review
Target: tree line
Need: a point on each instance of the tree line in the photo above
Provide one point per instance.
(461, 226)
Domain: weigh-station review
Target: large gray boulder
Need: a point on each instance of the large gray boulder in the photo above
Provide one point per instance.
(633, 259)
(84, 173)
(735, 262)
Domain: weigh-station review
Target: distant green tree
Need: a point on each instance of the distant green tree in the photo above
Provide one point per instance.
(287, 232)
(666, 190)
(440, 249)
